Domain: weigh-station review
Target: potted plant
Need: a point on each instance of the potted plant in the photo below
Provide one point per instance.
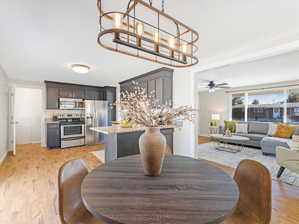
(143, 109)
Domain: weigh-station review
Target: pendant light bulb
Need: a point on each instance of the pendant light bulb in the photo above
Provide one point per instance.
(117, 20)
(184, 48)
(171, 42)
(140, 29)
(157, 37)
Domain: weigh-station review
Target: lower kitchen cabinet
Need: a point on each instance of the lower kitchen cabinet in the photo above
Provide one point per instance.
(126, 144)
(53, 135)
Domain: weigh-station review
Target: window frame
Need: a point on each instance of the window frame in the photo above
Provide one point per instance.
(285, 90)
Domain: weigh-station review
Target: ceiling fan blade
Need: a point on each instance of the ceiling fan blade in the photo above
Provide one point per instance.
(205, 81)
(202, 86)
(222, 84)
(223, 87)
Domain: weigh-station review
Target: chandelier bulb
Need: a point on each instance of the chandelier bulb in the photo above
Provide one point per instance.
(171, 42)
(184, 48)
(157, 37)
(140, 29)
(117, 20)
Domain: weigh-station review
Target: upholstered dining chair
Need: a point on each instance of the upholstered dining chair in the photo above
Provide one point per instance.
(71, 207)
(254, 206)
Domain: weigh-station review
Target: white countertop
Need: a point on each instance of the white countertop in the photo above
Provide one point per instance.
(117, 129)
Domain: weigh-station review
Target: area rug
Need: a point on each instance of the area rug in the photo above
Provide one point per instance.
(208, 151)
(100, 155)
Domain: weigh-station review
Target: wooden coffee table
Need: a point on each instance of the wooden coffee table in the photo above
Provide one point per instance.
(225, 143)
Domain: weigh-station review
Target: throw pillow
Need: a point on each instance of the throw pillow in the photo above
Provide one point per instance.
(242, 128)
(272, 129)
(295, 143)
(284, 131)
(231, 125)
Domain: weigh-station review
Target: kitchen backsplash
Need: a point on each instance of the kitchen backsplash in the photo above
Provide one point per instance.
(50, 113)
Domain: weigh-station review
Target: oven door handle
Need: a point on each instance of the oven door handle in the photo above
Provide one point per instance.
(72, 125)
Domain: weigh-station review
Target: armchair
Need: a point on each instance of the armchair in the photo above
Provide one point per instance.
(287, 159)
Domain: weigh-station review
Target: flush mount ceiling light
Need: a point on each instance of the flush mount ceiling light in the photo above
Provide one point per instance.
(139, 29)
(82, 69)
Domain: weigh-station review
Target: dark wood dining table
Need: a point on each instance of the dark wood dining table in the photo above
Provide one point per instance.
(188, 191)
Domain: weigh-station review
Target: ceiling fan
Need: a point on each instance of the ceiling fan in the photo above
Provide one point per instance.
(212, 85)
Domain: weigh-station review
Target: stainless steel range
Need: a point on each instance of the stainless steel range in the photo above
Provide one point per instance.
(72, 132)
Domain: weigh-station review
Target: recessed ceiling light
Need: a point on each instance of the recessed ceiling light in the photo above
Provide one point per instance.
(82, 69)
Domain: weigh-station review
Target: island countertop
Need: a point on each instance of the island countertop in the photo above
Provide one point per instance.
(116, 129)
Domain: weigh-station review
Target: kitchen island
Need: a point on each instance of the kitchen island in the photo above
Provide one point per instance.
(121, 142)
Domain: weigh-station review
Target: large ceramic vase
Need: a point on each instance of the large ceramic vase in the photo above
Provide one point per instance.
(152, 145)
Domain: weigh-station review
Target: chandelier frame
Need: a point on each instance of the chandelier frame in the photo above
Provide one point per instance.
(180, 52)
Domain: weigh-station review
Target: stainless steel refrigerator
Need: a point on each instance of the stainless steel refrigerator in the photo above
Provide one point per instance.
(96, 114)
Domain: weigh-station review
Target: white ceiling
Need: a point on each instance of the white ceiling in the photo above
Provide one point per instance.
(39, 39)
(270, 70)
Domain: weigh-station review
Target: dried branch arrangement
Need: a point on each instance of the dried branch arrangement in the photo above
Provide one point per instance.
(144, 109)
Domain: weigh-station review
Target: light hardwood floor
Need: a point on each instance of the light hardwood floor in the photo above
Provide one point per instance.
(285, 197)
(28, 183)
(28, 186)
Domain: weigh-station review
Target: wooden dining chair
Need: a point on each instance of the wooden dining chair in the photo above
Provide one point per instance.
(71, 207)
(254, 206)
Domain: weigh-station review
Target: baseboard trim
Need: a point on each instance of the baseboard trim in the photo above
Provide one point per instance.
(2, 158)
(204, 135)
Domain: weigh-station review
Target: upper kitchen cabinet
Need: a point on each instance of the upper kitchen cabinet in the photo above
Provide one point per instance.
(72, 91)
(111, 98)
(52, 96)
(158, 82)
(95, 93)
(66, 91)
(56, 90)
(79, 92)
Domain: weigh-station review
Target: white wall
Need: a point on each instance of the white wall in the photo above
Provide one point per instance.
(184, 94)
(209, 103)
(4, 115)
(28, 115)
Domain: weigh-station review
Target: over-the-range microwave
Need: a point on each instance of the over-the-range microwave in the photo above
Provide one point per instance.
(71, 104)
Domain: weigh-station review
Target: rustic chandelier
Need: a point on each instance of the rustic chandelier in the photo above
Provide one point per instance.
(141, 30)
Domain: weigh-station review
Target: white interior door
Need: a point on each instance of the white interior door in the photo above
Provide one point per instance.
(28, 118)
(12, 121)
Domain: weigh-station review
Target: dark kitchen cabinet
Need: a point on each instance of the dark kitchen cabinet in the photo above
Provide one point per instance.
(53, 135)
(158, 82)
(127, 144)
(66, 91)
(72, 91)
(167, 89)
(56, 90)
(111, 98)
(52, 97)
(168, 133)
(79, 92)
(95, 93)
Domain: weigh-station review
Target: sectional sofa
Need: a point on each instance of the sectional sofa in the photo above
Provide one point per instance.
(257, 133)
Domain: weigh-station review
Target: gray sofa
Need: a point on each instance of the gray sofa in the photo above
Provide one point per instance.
(257, 133)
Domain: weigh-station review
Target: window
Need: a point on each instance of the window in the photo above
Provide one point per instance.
(238, 107)
(293, 106)
(271, 105)
(266, 106)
